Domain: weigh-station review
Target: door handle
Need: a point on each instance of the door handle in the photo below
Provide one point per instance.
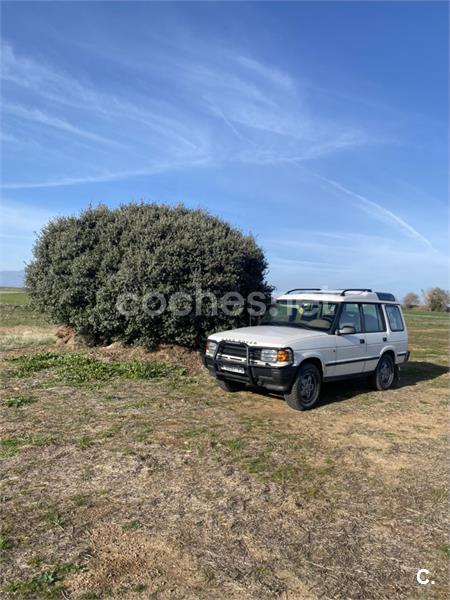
(385, 339)
(361, 341)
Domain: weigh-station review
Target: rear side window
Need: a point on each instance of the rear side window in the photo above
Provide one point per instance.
(373, 320)
(394, 316)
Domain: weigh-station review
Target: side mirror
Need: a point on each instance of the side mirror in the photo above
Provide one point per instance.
(346, 330)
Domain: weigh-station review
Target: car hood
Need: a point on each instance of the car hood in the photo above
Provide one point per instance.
(266, 335)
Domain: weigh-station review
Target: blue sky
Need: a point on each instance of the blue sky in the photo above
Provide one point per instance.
(321, 127)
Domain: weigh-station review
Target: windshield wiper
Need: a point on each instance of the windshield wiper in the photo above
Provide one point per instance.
(283, 324)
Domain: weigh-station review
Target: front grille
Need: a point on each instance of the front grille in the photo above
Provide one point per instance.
(255, 353)
(235, 350)
(239, 351)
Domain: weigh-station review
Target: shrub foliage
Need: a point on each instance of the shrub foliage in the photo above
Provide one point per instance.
(411, 300)
(437, 299)
(83, 264)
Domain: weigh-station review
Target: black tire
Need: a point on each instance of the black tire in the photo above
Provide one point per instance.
(231, 386)
(305, 391)
(385, 373)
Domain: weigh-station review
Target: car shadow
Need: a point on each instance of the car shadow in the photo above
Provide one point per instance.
(416, 371)
(411, 373)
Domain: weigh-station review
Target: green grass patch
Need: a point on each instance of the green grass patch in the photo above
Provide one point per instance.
(12, 315)
(44, 585)
(131, 525)
(267, 456)
(76, 368)
(5, 544)
(234, 444)
(195, 432)
(84, 442)
(18, 401)
(10, 446)
(82, 500)
(54, 518)
(14, 296)
(425, 314)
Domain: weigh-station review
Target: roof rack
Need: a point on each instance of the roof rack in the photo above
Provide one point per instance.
(303, 290)
(383, 296)
(386, 296)
(355, 290)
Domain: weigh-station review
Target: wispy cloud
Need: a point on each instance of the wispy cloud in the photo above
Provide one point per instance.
(337, 264)
(237, 110)
(43, 118)
(7, 137)
(272, 74)
(18, 227)
(19, 218)
(51, 84)
(312, 265)
(106, 175)
(379, 212)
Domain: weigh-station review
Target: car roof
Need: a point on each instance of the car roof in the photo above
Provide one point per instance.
(344, 295)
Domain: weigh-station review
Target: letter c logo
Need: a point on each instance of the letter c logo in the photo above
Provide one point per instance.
(420, 580)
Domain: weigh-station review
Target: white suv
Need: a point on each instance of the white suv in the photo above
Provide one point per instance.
(309, 336)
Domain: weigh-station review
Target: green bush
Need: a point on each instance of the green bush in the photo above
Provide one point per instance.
(83, 264)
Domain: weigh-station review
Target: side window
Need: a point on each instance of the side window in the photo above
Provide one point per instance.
(373, 320)
(350, 316)
(394, 316)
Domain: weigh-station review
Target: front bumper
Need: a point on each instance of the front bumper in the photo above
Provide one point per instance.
(275, 379)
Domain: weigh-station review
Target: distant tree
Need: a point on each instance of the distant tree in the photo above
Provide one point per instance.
(437, 299)
(84, 264)
(410, 300)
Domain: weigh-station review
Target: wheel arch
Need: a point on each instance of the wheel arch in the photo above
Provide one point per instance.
(391, 353)
(315, 360)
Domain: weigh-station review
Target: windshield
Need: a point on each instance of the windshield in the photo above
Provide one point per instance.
(307, 314)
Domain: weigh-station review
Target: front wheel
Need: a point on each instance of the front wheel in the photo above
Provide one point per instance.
(306, 389)
(384, 374)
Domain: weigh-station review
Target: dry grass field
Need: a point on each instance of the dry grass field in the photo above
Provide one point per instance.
(127, 478)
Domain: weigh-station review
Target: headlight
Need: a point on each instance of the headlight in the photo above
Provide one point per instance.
(268, 355)
(211, 347)
(271, 355)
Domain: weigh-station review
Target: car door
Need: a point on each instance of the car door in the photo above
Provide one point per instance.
(374, 326)
(351, 348)
(398, 335)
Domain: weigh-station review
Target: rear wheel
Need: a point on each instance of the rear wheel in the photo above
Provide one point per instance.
(384, 374)
(306, 389)
(231, 386)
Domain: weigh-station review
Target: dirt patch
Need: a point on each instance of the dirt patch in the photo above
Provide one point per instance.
(13, 338)
(27, 330)
(173, 354)
(68, 339)
(166, 353)
(133, 560)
